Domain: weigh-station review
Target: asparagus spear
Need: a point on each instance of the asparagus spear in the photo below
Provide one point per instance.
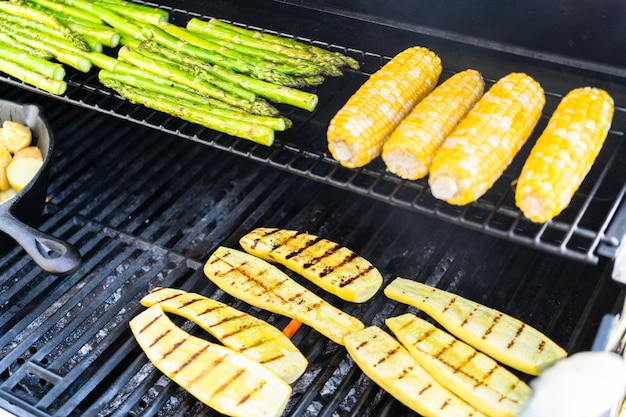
(7, 40)
(33, 78)
(335, 57)
(234, 127)
(30, 14)
(39, 65)
(118, 22)
(103, 34)
(56, 9)
(260, 107)
(62, 50)
(136, 12)
(297, 58)
(184, 98)
(273, 92)
(198, 71)
(217, 55)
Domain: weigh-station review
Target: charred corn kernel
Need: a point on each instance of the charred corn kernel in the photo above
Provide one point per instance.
(409, 150)
(327, 264)
(472, 375)
(263, 285)
(504, 338)
(389, 364)
(564, 153)
(481, 147)
(357, 132)
(255, 338)
(223, 379)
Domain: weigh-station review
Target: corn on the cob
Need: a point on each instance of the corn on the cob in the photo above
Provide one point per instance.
(390, 365)
(223, 379)
(409, 150)
(329, 265)
(357, 132)
(473, 376)
(483, 144)
(564, 153)
(504, 338)
(255, 338)
(263, 285)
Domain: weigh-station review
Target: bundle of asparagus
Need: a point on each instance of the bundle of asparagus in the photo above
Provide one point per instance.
(216, 74)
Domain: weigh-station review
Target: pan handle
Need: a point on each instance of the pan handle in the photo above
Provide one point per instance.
(51, 254)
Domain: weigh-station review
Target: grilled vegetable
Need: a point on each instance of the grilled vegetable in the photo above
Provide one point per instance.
(471, 375)
(357, 132)
(263, 285)
(390, 365)
(504, 338)
(409, 150)
(223, 379)
(329, 265)
(483, 144)
(242, 332)
(564, 153)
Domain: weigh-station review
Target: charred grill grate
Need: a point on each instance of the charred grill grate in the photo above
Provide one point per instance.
(590, 228)
(147, 209)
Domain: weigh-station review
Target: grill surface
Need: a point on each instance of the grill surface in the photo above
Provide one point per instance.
(587, 230)
(146, 209)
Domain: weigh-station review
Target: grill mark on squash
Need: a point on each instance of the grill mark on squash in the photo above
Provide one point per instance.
(494, 322)
(460, 368)
(251, 393)
(173, 349)
(191, 359)
(220, 389)
(517, 335)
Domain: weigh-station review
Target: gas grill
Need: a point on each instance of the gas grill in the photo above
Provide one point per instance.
(147, 197)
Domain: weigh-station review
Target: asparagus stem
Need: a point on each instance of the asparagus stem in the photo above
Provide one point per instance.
(197, 114)
(57, 9)
(170, 72)
(195, 100)
(62, 50)
(273, 92)
(8, 40)
(136, 12)
(29, 14)
(103, 34)
(217, 55)
(335, 57)
(121, 24)
(197, 71)
(42, 66)
(33, 78)
(298, 58)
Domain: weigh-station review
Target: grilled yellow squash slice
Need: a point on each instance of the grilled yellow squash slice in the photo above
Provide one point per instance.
(327, 264)
(473, 376)
(255, 338)
(504, 338)
(382, 358)
(263, 285)
(220, 377)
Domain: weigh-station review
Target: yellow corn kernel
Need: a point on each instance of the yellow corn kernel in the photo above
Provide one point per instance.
(357, 132)
(564, 153)
(484, 143)
(409, 150)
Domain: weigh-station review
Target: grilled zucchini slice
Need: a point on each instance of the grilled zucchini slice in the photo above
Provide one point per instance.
(255, 338)
(333, 267)
(504, 338)
(220, 377)
(473, 376)
(389, 364)
(263, 285)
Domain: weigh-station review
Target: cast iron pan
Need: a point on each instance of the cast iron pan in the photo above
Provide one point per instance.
(20, 215)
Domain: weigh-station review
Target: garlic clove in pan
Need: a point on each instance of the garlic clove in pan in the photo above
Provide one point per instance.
(586, 384)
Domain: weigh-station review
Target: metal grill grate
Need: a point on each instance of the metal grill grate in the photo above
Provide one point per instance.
(586, 231)
(147, 209)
